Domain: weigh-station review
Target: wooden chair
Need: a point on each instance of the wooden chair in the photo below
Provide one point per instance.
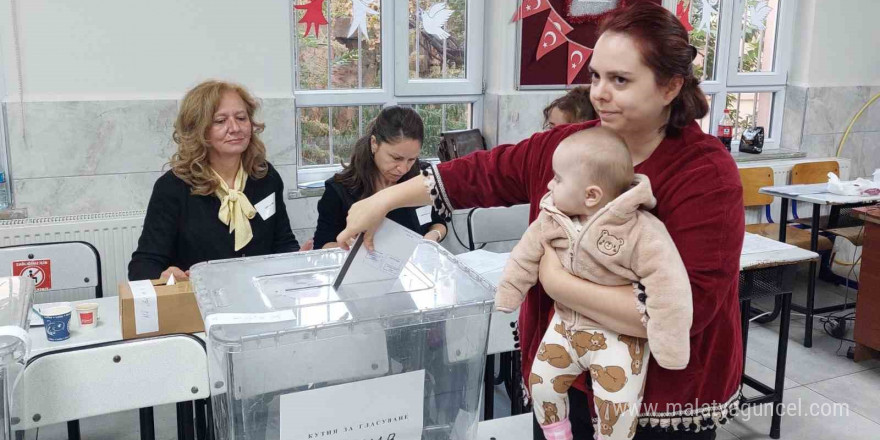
(753, 179)
(812, 173)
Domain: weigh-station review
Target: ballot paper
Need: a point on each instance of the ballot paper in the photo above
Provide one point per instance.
(393, 246)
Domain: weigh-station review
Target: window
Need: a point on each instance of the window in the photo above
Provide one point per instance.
(344, 73)
(743, 48)
(439, 118)
(431, 57)
(328, 134)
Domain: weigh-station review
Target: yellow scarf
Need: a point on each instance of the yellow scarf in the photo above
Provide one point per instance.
(235, 208)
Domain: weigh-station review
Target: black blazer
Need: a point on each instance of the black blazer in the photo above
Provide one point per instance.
(337, 200)
(182, 229)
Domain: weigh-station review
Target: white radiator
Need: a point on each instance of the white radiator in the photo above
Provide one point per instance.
(114, 235)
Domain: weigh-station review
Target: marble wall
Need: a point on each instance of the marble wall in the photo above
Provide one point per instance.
(81, 157)
(103, 156)
(815, 119)
(511, 117)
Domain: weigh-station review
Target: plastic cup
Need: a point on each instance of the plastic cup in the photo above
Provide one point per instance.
(88, 315)
(56, 321)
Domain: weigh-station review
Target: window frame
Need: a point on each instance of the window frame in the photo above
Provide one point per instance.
(781, 49)
(393, 91)
(346, 97)
(472, 84)
(4, 136)
(728, 80)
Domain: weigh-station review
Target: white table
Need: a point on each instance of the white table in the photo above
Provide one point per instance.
(817, 195)
(759, 251)
(107, 330)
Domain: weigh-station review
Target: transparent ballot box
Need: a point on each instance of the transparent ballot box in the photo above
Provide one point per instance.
(291, 357)
(16, 298)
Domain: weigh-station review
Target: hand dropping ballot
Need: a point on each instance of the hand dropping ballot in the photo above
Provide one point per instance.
(393, 246)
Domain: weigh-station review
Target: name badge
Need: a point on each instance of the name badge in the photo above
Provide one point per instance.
(424, 214)
(266, 207)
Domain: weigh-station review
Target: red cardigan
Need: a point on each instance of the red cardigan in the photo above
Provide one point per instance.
(699, 199)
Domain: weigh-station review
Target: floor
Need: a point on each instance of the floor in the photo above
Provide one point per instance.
(827, 395)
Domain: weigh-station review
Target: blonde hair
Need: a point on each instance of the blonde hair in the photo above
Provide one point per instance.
(190, 162)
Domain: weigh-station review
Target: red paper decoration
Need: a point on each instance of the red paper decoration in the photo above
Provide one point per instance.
(314, 16)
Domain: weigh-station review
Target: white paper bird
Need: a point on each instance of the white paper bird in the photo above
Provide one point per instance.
(359, 11)
(758, 15)
(435, 18)
(706, 17)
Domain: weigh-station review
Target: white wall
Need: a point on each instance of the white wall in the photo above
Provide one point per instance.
(836, 43)
(145, 49)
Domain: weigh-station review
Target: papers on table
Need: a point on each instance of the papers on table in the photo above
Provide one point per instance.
(754, 244)
(488, 264)
(483, 261)
(797, 190)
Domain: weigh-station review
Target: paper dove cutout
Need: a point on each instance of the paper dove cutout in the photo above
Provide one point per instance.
(706, 17)
(435, 18)
(359, 11)
(758, 15)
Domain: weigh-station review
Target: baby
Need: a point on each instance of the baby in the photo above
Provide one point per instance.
(596, 219)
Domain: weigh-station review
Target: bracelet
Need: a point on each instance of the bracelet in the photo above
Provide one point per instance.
(439, 235)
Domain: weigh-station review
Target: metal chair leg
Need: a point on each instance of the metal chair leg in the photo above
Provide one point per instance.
(781, 354)
(185, 428)
(201, 420)
(209, 412)
(148, 429)
(73, 430)
(489, 388)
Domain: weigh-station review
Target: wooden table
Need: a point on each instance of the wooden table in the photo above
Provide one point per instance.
(818, 196)
(867, 327)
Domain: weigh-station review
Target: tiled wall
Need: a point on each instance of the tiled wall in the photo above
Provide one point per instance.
(512, 117)
(815, 119)
(103, 156)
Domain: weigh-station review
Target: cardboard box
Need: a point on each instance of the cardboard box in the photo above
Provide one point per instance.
(176, 304)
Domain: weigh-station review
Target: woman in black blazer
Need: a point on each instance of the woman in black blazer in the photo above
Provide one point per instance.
(386, 155)
(221, 198)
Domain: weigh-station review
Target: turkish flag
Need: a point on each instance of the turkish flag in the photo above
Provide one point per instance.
(551, 38)
(559, 23)
(577, 59)
(529, 8)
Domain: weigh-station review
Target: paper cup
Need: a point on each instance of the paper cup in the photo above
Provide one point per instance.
(56, 321)
(88, 315)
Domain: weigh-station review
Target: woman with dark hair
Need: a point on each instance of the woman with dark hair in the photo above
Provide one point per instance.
(643, 88)
(574, 106)
(387, 154)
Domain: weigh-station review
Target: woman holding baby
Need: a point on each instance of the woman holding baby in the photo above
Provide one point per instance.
(643, 89)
